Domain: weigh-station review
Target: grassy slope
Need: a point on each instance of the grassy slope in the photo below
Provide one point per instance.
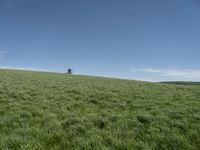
(57, 111)
(182, 83)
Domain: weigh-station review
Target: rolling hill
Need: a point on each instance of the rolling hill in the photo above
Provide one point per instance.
(182, 83)
(55, 111)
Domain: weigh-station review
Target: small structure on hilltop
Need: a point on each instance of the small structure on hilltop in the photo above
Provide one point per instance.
(69, 71)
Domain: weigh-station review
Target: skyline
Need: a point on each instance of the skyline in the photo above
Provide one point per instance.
(139, 40)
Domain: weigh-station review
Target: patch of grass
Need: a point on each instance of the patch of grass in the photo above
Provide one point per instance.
(51, 111)
(145, 119)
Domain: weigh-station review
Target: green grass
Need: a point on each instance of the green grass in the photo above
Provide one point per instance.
(182, 83)
(49, 111)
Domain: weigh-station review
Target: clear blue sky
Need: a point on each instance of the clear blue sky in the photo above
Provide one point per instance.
(136, 39)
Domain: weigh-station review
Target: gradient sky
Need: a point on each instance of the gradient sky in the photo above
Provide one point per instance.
(152, 40)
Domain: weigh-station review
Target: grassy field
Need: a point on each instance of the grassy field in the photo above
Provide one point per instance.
(182, 83)
(49, 111)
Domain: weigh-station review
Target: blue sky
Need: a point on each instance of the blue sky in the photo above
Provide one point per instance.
(134, 39)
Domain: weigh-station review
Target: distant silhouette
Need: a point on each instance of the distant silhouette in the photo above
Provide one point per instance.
(69, 71)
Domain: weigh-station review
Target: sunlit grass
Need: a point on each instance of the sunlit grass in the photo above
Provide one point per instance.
(59, 111)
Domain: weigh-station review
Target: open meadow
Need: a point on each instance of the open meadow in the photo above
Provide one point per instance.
(52, 111)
